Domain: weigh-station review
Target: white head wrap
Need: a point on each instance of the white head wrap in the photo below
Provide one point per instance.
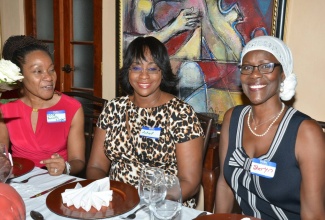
(283, 54)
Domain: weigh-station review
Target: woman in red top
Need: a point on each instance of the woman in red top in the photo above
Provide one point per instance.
(42, 125)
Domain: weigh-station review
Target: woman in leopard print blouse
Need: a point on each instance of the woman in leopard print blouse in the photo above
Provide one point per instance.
(122, 143)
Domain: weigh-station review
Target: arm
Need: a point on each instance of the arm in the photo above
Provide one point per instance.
(187, 19)
(189, 164)
(76, 143)
(224, 195)
(75, 146)
(310, 154)
(98, 164)
(4, 135)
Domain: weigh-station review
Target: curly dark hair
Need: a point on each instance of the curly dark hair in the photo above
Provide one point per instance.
(17, 47)
(136, 51)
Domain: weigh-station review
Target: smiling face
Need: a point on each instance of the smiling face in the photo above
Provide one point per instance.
(39, 75)
(261, 87)
(145, 77)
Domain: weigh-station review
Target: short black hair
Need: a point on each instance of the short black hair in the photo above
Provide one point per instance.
(136, 51)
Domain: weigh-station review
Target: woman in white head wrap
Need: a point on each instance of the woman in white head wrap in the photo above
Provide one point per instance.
(283, 54)
(271, 156)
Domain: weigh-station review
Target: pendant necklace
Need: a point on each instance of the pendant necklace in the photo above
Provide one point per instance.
(267, 130)
(255, 127)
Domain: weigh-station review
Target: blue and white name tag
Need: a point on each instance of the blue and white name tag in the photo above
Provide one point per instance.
(55, 116)
(150, 132)
(263, 168)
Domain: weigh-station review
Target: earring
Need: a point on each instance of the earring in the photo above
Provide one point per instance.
(281, 87)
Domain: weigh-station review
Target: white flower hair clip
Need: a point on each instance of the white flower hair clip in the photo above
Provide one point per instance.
(9, 74)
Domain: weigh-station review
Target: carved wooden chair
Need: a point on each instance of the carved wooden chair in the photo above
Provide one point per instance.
(92, 107)
(206, 123)
(322, 124)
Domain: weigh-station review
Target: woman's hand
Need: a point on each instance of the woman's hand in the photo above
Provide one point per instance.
(55, 165)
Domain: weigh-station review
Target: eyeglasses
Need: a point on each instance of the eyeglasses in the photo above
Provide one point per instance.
(139, 69)
(262, 68)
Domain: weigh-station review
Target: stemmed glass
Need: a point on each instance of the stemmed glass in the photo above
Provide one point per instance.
(5, 163)
(169, 207)
(150, 177)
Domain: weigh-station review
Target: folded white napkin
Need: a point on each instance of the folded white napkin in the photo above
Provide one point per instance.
(96, 194)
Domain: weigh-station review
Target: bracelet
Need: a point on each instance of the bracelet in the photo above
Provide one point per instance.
(67, 167)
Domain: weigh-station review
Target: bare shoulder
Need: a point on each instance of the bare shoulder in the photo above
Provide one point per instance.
(310, 129)
(310, 136)
(227, 116)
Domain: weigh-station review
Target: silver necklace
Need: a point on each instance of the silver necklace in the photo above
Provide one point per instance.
(267, 130)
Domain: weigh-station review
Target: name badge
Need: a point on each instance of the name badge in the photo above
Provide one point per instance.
(55, 116)
(150, 132)
(263, 168)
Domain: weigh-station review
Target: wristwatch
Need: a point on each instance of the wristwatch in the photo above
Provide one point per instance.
(67, 167)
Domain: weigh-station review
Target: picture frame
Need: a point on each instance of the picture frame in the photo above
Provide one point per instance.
(205, 57)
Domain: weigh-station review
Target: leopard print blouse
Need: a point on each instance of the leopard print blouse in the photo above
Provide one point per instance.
(128, 153)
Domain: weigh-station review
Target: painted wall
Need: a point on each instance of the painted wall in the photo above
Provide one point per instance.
(303, 33)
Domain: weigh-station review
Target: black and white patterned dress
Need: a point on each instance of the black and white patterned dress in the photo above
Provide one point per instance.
(266, 198)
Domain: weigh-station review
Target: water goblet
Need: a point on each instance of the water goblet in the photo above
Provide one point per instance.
(169, 207)
(5, 163)
(149, 177)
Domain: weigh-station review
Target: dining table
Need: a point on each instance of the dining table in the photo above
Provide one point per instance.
(41, 183)
(226, 216)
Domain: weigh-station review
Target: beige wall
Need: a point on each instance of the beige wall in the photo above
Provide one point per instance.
(304, 33)
(109, 43)
(12, 18)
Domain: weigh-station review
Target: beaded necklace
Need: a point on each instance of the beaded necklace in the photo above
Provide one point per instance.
(267, 130)
(255, 127)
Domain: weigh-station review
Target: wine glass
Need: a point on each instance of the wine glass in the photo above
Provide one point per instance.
(150, 177)
(169, 207)
(5, 163)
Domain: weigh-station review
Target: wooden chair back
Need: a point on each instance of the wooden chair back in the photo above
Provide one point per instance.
(207, 125)
(92, 107)
(322, 124)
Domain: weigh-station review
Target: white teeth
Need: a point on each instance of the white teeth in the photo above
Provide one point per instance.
(144, 85)
(257, 86)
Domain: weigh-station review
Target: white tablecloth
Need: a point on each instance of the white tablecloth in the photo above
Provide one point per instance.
(44, 182)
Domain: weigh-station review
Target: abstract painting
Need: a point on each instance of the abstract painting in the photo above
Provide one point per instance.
(204, 39)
